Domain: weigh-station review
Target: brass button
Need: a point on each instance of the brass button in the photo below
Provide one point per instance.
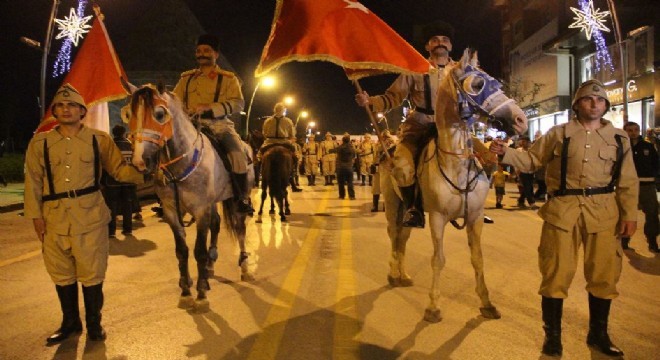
(68, 152)
(585, 160)
(588, 146)
(67, 180)
(588, 132)
(67, 166)
(68, 138)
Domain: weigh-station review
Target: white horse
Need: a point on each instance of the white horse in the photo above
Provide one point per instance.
(451, 180)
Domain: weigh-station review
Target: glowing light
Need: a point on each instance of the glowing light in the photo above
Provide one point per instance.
(592, 23)
(72, 29)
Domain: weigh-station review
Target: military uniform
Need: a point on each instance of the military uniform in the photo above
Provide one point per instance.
(76, 241)
(329, 158)
(278, 130)
(366, 152)
(311, 153)
(222, 91)
(571, 220)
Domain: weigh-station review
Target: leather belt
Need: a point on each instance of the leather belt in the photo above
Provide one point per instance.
(584, 192)
(71, 193)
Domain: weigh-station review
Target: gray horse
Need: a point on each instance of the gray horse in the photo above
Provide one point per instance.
(196, 180)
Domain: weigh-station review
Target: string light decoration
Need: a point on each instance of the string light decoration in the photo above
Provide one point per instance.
(592, 22)
(71, 29)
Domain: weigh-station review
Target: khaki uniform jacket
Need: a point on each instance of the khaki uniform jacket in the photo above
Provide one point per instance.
(72, 165)
(591, 157)
(201, 90)
(278, 133)
(312, 150)
(326, 146)
(367, 151)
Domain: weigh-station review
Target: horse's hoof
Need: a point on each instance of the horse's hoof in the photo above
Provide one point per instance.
(201, 306)
(287, 212)
(186, 302)
(258, 221)
(283, 219)
(247, 277)
(490, 312)
(271, 212)
(213, 254)
(210, 272)
(432, 316)
(405, 282)
(203, 285)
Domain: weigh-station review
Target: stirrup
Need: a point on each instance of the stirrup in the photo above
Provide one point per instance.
(413, 218)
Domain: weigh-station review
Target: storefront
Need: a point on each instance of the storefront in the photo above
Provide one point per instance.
(546, 114)
(641, 104)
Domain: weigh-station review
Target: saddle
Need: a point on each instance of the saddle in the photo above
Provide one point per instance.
(287, 146)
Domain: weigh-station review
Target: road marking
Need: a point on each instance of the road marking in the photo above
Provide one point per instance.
(267, 343)
(26, 256)
(347, 326)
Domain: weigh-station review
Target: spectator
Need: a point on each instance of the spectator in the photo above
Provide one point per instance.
(498, 181)
(345, 158)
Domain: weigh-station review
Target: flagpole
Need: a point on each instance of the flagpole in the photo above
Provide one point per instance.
(374, 123)
(44, 59)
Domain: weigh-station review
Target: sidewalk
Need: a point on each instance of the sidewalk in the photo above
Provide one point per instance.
(11, 197)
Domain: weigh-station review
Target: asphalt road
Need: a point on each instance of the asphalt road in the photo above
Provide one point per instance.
(321, 293)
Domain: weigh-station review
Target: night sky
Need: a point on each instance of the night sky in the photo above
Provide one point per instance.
(243, 27)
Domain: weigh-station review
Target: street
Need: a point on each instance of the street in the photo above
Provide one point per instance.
(321, 292)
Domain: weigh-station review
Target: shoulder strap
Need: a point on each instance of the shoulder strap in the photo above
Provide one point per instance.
(97, 170)
(427, 92)
(564, 165)
(218, 84)
(185, 94)
(616, 171)
(49, 172)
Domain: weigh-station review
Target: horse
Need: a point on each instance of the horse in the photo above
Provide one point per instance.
(196, 181)
(450, 177)
(255, 139)
(276, 167)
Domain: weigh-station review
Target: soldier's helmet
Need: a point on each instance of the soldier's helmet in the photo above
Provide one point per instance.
(588, 88)
(328, 135)
(68, 93)
(367, 136)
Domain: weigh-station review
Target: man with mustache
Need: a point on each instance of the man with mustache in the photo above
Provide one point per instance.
(214, 94)
(421, 90)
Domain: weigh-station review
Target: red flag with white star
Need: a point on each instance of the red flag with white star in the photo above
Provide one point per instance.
(343, 32)
(96, 73)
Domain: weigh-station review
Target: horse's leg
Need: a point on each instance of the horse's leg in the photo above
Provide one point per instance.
(181, 249)
(201, 256)
(476, 257)
(214, 226)
(287, 209)
(272, 206)
(244, 257)
(437, 222)
(280, 204)
(264, 188)
(398, 235)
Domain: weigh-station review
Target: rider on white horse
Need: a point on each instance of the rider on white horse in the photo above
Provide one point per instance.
(421, 90)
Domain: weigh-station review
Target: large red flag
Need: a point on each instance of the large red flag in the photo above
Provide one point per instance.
(95, 73)
(344, 32)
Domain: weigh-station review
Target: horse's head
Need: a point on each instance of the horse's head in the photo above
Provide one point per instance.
(150, 123)
(480, 97)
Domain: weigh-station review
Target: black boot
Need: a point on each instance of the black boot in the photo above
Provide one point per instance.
(413, 217)
(599, 312)
(309, 180)
(244, 204)
(313, 180)
(71, 323)
(625, 241)
(552, 311)
(294, 187)
(375, 207)
(371, 180)
(93, 297)
(331, 180)
(653, 244)
(327, 180)
(364, 179)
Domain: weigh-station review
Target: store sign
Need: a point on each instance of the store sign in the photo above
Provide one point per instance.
(638, 88)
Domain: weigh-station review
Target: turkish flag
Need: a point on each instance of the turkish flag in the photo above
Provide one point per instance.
(95, 73)
(343, 32)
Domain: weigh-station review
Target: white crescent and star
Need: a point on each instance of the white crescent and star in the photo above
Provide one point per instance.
(356, 5)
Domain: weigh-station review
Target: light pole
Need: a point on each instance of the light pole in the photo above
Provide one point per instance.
(44, 59)
(267, 82)
(303, 114)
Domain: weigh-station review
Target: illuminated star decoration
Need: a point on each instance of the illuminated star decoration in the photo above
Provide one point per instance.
(592, 23)
(71, 29)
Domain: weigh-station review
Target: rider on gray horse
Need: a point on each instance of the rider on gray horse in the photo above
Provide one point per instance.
(214, 94)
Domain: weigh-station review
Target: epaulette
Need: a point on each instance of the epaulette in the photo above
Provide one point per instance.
(189, 73)
(226, 73)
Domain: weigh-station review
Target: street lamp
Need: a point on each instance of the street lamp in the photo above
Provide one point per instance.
(303, 114)
(267, 82)
(310, 127)
(289, 100)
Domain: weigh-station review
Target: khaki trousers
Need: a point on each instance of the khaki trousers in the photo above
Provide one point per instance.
(558, 257)
(82, 257)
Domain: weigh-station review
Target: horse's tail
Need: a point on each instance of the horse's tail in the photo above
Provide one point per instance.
(231, 217)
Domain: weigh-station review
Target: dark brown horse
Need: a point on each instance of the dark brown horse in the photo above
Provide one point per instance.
(277, 163)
